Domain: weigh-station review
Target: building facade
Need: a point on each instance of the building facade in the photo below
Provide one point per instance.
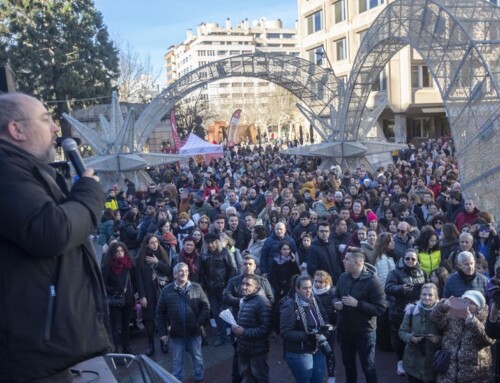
(265, 107)
(331, 31)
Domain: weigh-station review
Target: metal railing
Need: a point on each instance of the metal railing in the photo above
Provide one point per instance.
(138, 369)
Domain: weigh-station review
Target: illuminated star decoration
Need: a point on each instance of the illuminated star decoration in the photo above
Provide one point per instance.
(116, 153)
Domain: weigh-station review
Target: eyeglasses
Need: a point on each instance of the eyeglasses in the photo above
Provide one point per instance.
(411, 259)
(401, 231)
(439, 222)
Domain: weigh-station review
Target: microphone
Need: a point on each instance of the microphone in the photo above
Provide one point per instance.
(71, 150)
(59, 141)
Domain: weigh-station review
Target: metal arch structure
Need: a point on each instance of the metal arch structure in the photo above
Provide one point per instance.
(318, 88)
(460, 43)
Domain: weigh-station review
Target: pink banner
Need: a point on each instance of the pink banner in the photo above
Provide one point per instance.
(232, 133)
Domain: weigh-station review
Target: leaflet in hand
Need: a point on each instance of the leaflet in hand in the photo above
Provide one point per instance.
(227, 316)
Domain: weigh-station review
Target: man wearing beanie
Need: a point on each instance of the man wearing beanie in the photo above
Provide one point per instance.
(465, 278)
(199, 207)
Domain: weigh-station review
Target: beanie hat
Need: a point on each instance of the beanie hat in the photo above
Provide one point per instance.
(371, 216)
(477, 297)
(411, 221)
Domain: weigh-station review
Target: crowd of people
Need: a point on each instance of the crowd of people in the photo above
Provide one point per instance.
(391, 259)
(315, 255)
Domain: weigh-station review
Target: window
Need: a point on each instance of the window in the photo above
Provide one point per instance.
(288, 36)
(314, 22)
(389, 129)
(365, 5)
(361, 35)
(421, 77)
(339, 11)
(496, 2)
(273, 35)
(381, 82)
(340, 47)
(316, 55)
(421, 127)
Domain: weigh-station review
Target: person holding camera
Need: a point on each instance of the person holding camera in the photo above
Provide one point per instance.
(359, 299)
(462, 323)
(303, 320)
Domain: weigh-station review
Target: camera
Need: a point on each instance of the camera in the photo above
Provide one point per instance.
(321, 339)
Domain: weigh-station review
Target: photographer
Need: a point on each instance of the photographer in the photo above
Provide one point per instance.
(302, 324)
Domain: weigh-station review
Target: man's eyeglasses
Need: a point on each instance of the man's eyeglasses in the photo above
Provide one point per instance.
(411, 259)
(439, 222)
(401, 231)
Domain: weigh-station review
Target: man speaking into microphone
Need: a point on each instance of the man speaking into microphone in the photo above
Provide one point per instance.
(55, 312)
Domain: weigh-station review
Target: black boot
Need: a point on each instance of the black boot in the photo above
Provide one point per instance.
(151, 347)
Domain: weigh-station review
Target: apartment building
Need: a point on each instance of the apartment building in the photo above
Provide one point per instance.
(256, 97)
(330, 33)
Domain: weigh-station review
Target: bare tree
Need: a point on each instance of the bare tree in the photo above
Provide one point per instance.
(137, 78)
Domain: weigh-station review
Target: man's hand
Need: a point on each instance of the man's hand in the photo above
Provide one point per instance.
(338, 305)
(164, 338)
(350, 301)
(416, 339)
(144, 302)
(90, 173)
(433, 338)
(238, 330)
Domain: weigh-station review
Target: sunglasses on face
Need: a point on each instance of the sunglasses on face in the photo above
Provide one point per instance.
(402, 231)
(411, 259)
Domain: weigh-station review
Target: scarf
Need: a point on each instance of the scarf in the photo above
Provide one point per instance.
(309, 313)
(322, 291)
(467, 278)
(280, 260)
(189, 259)
(118, 264)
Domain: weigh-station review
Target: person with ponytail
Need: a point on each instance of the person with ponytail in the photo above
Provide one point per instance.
(302, 318)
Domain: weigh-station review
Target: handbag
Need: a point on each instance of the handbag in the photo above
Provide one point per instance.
(441, 361)
(118, 299)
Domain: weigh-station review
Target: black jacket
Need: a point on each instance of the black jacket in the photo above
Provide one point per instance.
(323, 256)
(232, 293)
(397, 295)
(371, 302)
(295, 337)
(49, 276)
(255, 317)
(184, 310)
(217, 269)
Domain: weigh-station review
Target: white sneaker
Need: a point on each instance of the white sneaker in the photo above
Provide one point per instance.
(400, 370)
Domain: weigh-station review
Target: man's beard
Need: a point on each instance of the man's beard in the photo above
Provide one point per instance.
(49, 155)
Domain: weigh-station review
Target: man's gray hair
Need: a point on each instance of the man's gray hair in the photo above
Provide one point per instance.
(10, 109)
(179, 266)
(464, 255)
(466, 235)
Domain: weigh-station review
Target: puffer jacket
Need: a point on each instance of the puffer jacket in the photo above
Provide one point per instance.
(397, 296)
(418, 357)
(270, 251)
(49, 275)
(468, 345)
(255, 317)
(182, 310)
(429, 260)
(371, 301)
(295, 337)
(323, 256)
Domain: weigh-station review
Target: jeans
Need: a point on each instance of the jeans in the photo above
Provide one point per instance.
(215, 300)
(364, 346)
(254, 369)
(191, 345)
(120, 321)
(306, 368)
